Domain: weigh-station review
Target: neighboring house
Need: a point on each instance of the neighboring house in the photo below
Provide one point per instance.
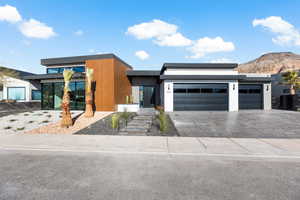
(177, 86)
(19, 89)
(279, 89)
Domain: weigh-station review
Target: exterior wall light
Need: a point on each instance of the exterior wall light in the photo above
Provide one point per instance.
(267, 87)
(233, 86)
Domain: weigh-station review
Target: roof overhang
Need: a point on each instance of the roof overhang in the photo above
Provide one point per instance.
(79, 60)
(132, 73)
(198, 66)
(202, 77)
(51, 76)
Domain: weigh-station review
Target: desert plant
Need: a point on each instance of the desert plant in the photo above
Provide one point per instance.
(30, 122)
(13, 120)
(66, 120)
(45, 121)
(115, 121)
(292, 79)
(163, 121)
(125, 115)
(7, 127)
(20, 129)
(88, 93)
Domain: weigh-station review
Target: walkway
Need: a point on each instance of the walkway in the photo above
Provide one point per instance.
(252, 147)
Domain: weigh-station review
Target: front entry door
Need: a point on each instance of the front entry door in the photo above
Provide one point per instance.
(148, 97)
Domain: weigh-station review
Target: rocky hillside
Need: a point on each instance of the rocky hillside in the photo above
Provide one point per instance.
(272, 63)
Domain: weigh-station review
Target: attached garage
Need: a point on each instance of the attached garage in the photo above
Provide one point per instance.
(200, 96)
(250, 96)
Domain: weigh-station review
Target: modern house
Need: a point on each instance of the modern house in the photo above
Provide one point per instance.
(176, 87)
(20, 89)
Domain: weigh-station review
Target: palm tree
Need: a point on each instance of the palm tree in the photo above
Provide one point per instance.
(66, 120)
(88, 93)
(292, 79)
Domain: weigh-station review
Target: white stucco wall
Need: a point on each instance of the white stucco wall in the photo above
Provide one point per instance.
(233, 92)
(200, 72)
(13, 82)
(267, 99)
(168, 96)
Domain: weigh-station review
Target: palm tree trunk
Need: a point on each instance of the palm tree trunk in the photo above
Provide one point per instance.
(66, 120)
(89, 104)
(292, 90)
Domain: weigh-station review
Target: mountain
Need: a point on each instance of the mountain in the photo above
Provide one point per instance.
(272, 63)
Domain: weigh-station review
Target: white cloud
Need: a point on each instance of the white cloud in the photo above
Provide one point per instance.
(143, 55)
(174, 40)
(92, 50)
(10, 14)
(36, 29)
(148, 30)
(286, 33)
(78, 32)
(163, 33)
(207, 45)
(223, 60)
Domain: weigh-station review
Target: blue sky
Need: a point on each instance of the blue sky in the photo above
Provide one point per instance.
(146, 34)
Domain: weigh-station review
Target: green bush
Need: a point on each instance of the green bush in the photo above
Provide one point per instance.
(115, 121)
(163, 121)
(126, 116)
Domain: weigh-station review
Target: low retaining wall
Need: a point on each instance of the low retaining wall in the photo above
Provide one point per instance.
(128, 107)
(16, 106)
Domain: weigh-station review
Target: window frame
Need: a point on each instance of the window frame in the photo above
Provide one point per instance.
(15, 88)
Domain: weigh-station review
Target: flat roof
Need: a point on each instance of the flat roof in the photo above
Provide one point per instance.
(202, 77)
(52, 76)
(79, 59)
(143, 73)
(198, 66)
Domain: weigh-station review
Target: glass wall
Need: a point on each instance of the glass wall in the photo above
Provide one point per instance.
(52, 94)
(58, 70)
(16, 93)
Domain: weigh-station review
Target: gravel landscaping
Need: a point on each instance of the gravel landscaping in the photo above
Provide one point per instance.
(103, 127)
(22, 122)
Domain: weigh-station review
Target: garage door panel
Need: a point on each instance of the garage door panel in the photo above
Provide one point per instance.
(250, 96)
(200, 97)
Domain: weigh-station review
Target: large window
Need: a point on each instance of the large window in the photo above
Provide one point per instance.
(52, 94)
(16, 93)
(35, 94)
(57, 70)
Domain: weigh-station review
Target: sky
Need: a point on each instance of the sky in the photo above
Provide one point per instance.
(146, 34)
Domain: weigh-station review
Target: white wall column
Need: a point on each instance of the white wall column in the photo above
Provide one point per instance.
(233, 92)
(168, 96)
(267, 99)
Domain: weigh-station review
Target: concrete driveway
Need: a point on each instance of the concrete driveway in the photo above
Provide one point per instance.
(242, 124)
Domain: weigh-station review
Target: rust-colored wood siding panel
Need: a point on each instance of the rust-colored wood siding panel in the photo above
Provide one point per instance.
(122, 83)
(104, 77)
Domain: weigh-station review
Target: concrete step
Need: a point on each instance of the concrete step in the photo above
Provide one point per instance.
(143, 117)
(140, 122)
(147, 126)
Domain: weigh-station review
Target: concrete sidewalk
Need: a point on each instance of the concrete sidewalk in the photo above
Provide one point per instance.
(154, 145)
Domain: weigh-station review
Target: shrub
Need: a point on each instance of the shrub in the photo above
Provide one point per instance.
(45, 121)
(115, 121)
(125, 115)
(12, 120)
(163, 121)
(7, 127)
(30, 122)
(20, 129)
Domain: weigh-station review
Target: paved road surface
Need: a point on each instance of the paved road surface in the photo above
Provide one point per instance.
(53, 175)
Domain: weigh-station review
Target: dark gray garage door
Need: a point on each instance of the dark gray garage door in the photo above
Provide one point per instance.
(250, 96)
(200, 96)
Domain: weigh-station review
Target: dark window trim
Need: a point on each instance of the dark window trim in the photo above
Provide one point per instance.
(17, 99)
(34, 90)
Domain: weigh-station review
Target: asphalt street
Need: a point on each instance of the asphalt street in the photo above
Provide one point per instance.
(44, 174)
